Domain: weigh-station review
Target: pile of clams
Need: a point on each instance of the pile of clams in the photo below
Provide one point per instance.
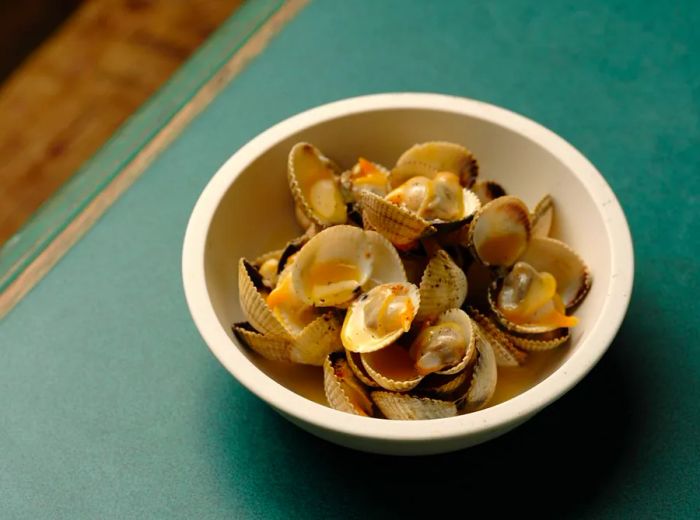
(376, 289)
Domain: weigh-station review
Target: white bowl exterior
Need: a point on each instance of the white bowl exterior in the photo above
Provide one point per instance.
(527, 158)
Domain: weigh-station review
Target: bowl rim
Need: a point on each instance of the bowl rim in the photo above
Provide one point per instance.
(518, 408)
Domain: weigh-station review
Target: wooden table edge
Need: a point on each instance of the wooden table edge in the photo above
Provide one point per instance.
(68, 215)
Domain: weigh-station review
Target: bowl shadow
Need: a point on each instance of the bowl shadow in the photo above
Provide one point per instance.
(560, 462)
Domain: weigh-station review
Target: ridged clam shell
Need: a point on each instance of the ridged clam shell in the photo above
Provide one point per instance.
(269, 347)
(444, 387)
(390, 377)
(504, 216)
(406, 171)
(570, 271)
(375, 257)
(461, 317)
(304, 221)
(444, 156)
(443, 286)
(540, 342)
(484, 379)
(406, 407)
(340, 384)
(316, 341)
(506, 352)
(420, 351)
(542, 217)
(399, 225)
(471, 204)
(357, 337)
(355, 362)
(527, 328)
(304, 157)
(254, 305)
(488, 191)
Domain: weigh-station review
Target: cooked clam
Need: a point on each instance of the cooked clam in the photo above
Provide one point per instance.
(500, 231)
(441, 157)
(399, 225)
(288, 307)
(438, 200)
(445, 346)
(315, 184)
(341, 262)
(374, 288)
(527, 301)
(443, 286)
(366, 176)
(267, 266)
(572, 275)
(380, 316)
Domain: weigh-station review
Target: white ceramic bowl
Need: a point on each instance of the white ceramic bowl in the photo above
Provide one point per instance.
(246, 209)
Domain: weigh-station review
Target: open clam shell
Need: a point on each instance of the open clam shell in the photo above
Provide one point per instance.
(315, 185)
(443, 286)
(507, 353)
(484, 378)
(470, 203)
(316, 341)
(406, 407)
(355, 363)
(443, 156)
(445, 387)
(310, 347)
(539, 342)
(379, 317)
(542, 217)
(342, 261)
(500, 231)
(392, 368)
(269, 347)
(446, 346)
(556, 258)
(304, 221)
(294, 246)
(343, 391)
(365, 176)
(253, 303)
(522, 328)
(399, 225)
(407, 170)
(487, 191)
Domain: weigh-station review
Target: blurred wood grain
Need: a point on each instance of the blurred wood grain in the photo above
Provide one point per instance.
(71, 94)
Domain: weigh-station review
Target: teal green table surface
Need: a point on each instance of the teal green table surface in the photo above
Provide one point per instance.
(111, 406)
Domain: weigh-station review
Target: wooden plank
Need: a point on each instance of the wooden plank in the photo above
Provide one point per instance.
(73, 93)
(77, 227)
